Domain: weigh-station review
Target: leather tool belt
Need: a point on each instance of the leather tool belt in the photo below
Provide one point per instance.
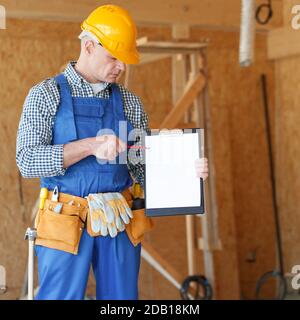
(63, 230)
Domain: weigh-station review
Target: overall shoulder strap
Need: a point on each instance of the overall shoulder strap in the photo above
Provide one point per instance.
(64, 121)
(117, 100)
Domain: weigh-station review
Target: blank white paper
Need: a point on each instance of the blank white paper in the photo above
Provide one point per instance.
(170, 170)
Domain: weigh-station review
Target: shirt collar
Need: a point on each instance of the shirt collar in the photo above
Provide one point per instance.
(76, 78)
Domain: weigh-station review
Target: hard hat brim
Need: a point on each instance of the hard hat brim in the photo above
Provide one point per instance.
(132, 57)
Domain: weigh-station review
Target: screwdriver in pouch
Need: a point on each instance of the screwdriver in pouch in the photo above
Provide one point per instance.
(43, 197)
(55, 194)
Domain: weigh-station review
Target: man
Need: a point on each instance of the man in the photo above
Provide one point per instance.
(59, 142)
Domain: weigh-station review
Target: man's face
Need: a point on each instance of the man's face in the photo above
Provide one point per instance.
(103, 66)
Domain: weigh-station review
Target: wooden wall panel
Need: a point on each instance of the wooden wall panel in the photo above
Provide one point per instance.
(21, 64)
(24, 61)
(287, 134)
(158, 99)
(241, 162)
(246, 217)
(287, 157)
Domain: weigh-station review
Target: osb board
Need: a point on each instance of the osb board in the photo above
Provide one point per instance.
(152, 82)
(240, 149)
(287, 157)
(24, 61)
(287, 145)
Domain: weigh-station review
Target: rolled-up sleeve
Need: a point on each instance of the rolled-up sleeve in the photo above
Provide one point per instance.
(35, 155)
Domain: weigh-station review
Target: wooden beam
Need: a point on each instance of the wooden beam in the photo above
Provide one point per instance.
(196, 63)
(178, 77)
(141, 41)
(206, 13)
(283, 42)
(165, 264)
(152, 57)
(2, 17)
(176, 114)
(171, 47)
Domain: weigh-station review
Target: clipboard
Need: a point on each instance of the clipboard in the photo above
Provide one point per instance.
(169, 157)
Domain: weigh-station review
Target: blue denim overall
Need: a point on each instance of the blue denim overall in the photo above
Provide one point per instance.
(115, 261)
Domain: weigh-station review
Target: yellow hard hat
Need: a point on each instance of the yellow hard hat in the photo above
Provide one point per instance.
(115, 30)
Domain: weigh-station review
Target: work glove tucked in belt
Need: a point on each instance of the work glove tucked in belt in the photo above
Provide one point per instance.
(109, 213)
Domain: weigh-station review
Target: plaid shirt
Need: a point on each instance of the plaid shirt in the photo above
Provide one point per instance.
(35, 155)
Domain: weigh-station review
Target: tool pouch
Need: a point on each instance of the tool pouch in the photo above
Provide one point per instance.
(61, 231)
(138, 226)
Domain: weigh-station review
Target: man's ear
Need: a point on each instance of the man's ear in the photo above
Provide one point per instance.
(89, 47)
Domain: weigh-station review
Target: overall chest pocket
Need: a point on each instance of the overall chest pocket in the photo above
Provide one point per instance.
(88, 113)
(88, 120)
